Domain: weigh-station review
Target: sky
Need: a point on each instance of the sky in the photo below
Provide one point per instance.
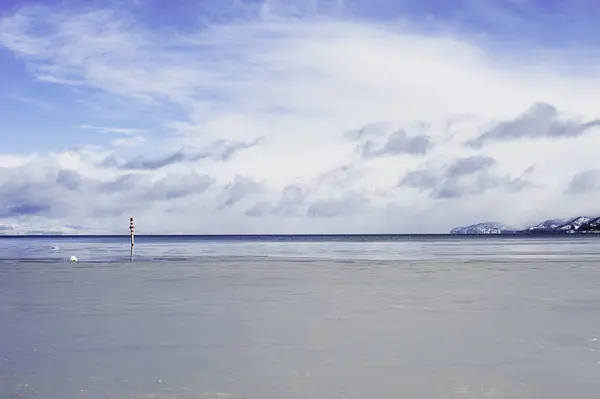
(296, 116)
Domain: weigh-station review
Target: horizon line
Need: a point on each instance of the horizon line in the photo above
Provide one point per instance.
(225, 235)
(308, 235)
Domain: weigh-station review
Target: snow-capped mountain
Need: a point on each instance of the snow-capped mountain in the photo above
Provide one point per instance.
(566, 225)
(483, 228)
(580, 224)
(547, 224)
(576, 223)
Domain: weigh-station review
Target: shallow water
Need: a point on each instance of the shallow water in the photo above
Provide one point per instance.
(399, 317)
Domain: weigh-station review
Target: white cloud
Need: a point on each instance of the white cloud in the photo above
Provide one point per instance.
(273, 99)
(134, 137)
(118, 130)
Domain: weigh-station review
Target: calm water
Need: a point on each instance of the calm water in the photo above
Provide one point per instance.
(374, 317)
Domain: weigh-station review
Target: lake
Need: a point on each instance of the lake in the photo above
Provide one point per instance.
(300, 317)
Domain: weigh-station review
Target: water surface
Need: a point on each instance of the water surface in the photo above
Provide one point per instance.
(272, 317)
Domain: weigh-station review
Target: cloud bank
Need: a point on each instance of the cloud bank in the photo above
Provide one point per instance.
(296, 120)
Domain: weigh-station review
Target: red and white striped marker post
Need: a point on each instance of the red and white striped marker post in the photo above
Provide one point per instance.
(131, 235)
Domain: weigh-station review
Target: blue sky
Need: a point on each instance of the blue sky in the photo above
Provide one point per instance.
(295, 116)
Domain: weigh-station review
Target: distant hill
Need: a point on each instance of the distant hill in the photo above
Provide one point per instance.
(579, 224)
(482, 228)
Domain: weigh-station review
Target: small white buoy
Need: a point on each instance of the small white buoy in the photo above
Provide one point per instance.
(73, 258)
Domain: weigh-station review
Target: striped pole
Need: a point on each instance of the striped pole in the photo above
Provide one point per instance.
(131, 235)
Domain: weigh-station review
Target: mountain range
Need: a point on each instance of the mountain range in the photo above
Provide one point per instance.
(577, 225)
